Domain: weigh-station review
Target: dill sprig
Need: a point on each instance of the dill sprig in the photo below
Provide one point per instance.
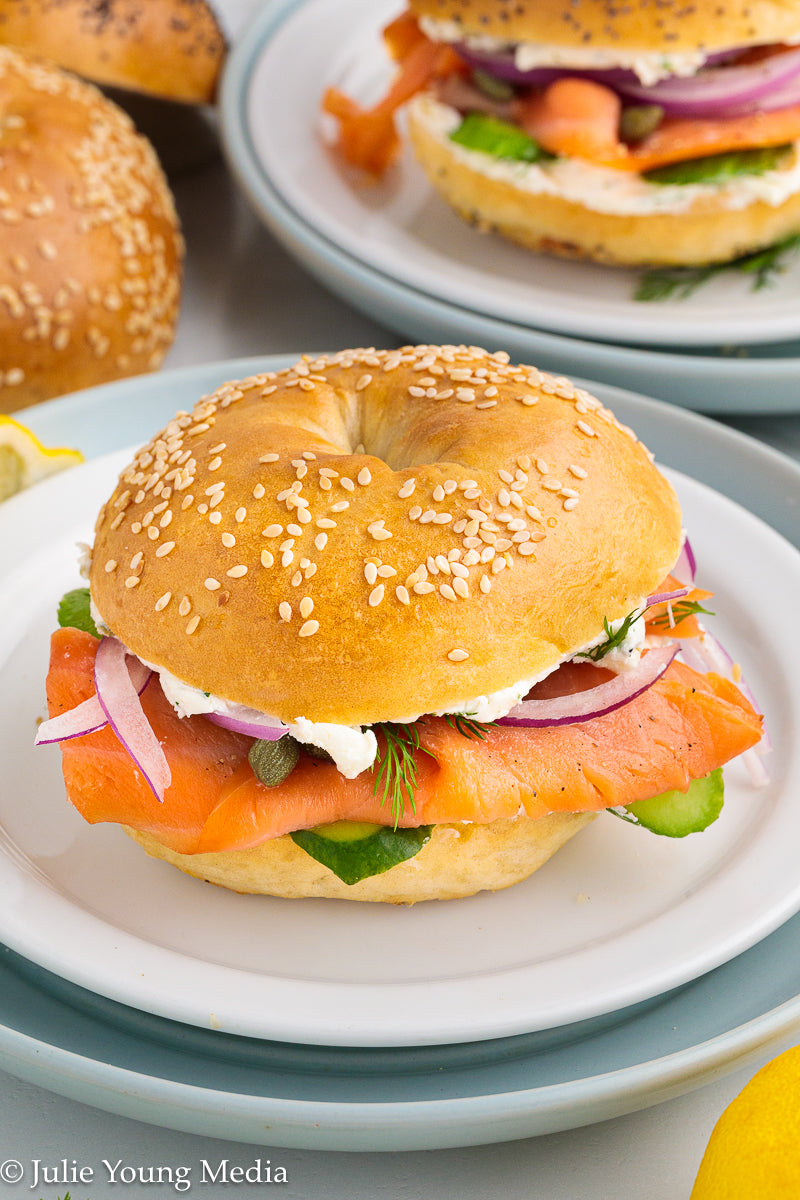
(680, 610)
(395, 767)
(467, 726)
(676, 283)
(614, 638)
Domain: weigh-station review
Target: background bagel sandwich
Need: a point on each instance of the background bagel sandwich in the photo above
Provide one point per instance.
(395, 630)
(90, 243)
(638, 135)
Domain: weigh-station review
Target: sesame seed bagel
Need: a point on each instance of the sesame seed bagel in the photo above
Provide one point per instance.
(379, 534)
(546, 209)
(89, 239)
(667, 26)
(169, 48)
(458, 860)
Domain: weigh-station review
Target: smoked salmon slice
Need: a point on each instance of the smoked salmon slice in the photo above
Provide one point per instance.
(684, 726)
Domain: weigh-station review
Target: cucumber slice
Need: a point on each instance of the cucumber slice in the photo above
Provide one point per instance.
(355, 850)
(74, 611)
(500, 139)
(676, 814)
(718, 168)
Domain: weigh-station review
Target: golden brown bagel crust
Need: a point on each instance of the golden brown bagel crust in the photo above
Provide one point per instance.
(669, 25)
(437, 524)
(90, 245)
(707, 232)
(457, 861)
(169, 48)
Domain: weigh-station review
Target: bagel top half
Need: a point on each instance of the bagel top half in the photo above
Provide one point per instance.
(379, 534)
(667, 26)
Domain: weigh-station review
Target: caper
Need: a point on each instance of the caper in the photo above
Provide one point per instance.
(639, 120)
(317, 752)
(272, 762)
(491, 86)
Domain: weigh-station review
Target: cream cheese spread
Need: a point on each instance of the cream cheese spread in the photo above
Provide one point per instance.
(602, 189)
(649, 66)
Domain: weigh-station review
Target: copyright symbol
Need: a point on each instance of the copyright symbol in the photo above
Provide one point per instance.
(11, 1171)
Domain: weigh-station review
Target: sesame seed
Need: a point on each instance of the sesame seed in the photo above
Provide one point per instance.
(137, 558)
(310, 570)
(460, 587)
(294, 530)
(215, 464)
(407, 489)
(577, 471)
(131, 581)
(571, 503)
(326, 523)
(587, 429)
(376, 595)
(498, 564)
(266, 558)
(309, 455)
(340, 506)
(228, 540)
(525, 549)
(111, 565)
(192, 626)
(364, 476)
(552, 485)
(269, 458)
(487, 404)
(237, 572)
(212, 584)
(306, 606)
(185, 606)
(447, 591)
(163, 601)
(329, 472)
(423, 587)
(347, 484)
(240, 514)
(438, 492)
(415, 513)
(287, 558)
(272, 531)
(363, 382)
(321, 541)
(416, 392)
(485, 584)
(450, 486)
(308, 629)
(458, 655)
(285, 610)
(164, 549)
(258, 491)
(528, 400)
(371, 573)
(386, 572)
(402, 595)
(215, 518)
(325, 483)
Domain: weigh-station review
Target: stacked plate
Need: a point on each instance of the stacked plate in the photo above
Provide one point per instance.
(397, 252)
(629, 969)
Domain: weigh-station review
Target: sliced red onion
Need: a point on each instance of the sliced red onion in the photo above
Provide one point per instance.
(686, 566)
(88, 716)
(596, 702)
(759, 775)
(667, 597)
(717, 91)
(267, 730)
(120, 703)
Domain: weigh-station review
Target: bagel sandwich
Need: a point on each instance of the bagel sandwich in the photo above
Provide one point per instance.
(641, 135)
(388, 625)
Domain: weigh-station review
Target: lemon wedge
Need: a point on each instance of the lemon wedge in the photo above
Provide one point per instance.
(754, 1150)
(24, 460)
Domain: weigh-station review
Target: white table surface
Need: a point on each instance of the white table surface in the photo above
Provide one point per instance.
(234, 273)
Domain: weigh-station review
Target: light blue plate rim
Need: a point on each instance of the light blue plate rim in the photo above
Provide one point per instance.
(707, 383)
(99, 1052)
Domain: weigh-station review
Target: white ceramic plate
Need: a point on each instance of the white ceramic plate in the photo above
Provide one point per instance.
(402, 229)
(617, 917)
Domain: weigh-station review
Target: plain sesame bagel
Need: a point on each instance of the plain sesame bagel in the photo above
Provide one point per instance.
(169, 48)
(458, 860)
(89, 239)
(663, 26)
(380, 534)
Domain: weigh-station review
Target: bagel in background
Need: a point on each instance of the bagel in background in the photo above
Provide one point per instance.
(90, 243)
(594, 109)
(173, 49)
(345, 575)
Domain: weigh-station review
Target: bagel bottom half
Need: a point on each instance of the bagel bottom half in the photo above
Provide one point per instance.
(706, 232)
(458, 860)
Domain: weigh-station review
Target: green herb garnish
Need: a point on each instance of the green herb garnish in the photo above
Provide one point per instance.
(74, 612)
(719, 168)
(680, 610)
(677, 283)
(395, 767)
(467, 726)
(500, 139)
(614, 638)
